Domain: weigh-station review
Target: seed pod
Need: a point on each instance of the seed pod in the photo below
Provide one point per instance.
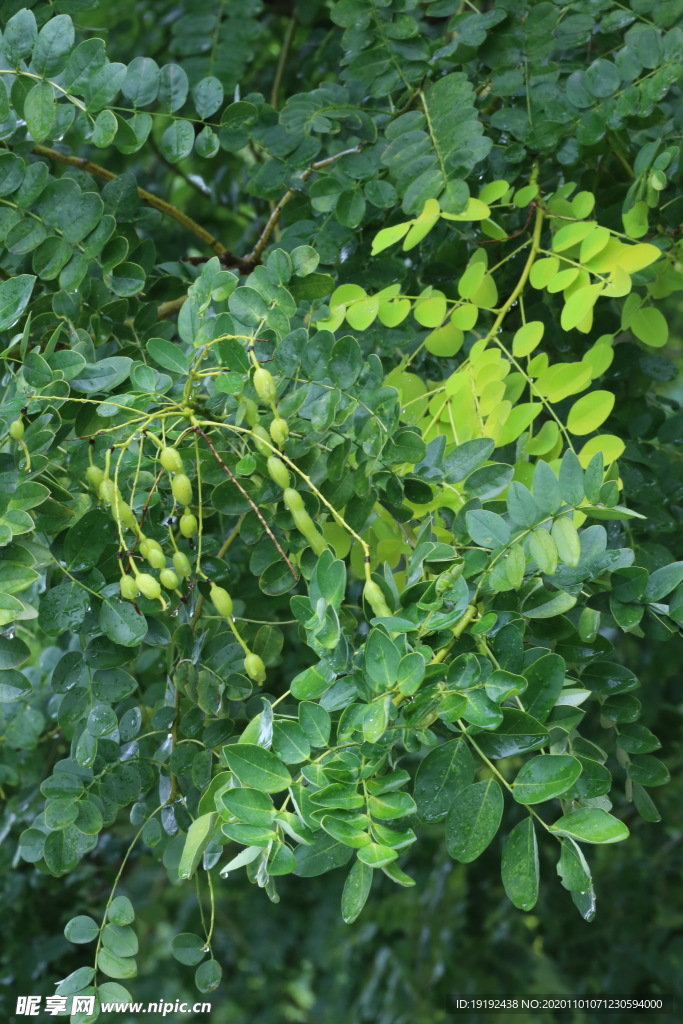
(156, 558)
(94, 475)
(310, 531)
(171, 460)
(189, 527)
(181, 563)
(182, 489)
(375, 598)
(293, 500)
(221, 600)
(278, 472)
(254, 667)
(168, 579)
(149, 587)
(129, 588)
(16, 429)
(265, 385)
(107, 491)
(251, 415)
(279, 431)
(123, 513)
(147, 545)
(261, 433)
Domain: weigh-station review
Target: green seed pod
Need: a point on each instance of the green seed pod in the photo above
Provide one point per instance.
(16, 429)
(182, 489)
(181, 563)
(94, 475)
(310, 531)
(293, 500)
(279, 431)
(221, 600)
(149, 587)
(254, 667)
(265, 385)
(171, 460)
(279, 473)
(168, 579)
(251, 415)
(156, 558)
(261, 435)
(123, 513)
(107, 491)
(375, 598)
(129, 588)
(189, 527)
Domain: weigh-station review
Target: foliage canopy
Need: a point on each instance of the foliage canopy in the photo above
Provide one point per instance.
(331, 480)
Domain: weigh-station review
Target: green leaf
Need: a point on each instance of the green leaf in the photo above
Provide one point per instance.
(545, 777)
(121, 911)
(545, 679)
(19, 37)
(315, 722)
(324, 854)
(256, 767)
(649, 326)
(122, 622)
(662, 581)
(120, 940)
(440, 776)
(520, 872)
(381, 660)
(487, 529)
(177, 141)
(389, 236)
(567, 541)
(55, 40)
(188, 948)
(141, 84)
(196, 841)
(356, 891)
(14, 686)
(518, 733)
(63, 608)
(473, 820)
(590, 825)
(39, 110)
(81, 929)
(467, 457)
(116, 966)
(208, 976)
(168, 355)
(544, 604)
(249, 805)
(590, 412)
(14, 297)
(527, 338)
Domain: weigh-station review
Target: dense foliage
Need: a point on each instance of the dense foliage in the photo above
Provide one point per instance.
(340, 483)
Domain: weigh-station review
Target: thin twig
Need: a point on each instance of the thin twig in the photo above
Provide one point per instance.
(282, 62)
(244, 494)
(262, 241)
(149, 197)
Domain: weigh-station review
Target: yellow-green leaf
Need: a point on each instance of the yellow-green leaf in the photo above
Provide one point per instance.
(649, 326)
(579, 305)
(567, 541)
(527, 338)
(429, 311)
(543, 271)
(389, 236)
(590, 412)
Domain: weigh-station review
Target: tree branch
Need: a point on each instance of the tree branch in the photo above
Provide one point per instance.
(149, 197)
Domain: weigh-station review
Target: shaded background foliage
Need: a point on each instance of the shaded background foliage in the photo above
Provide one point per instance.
(526, 65)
